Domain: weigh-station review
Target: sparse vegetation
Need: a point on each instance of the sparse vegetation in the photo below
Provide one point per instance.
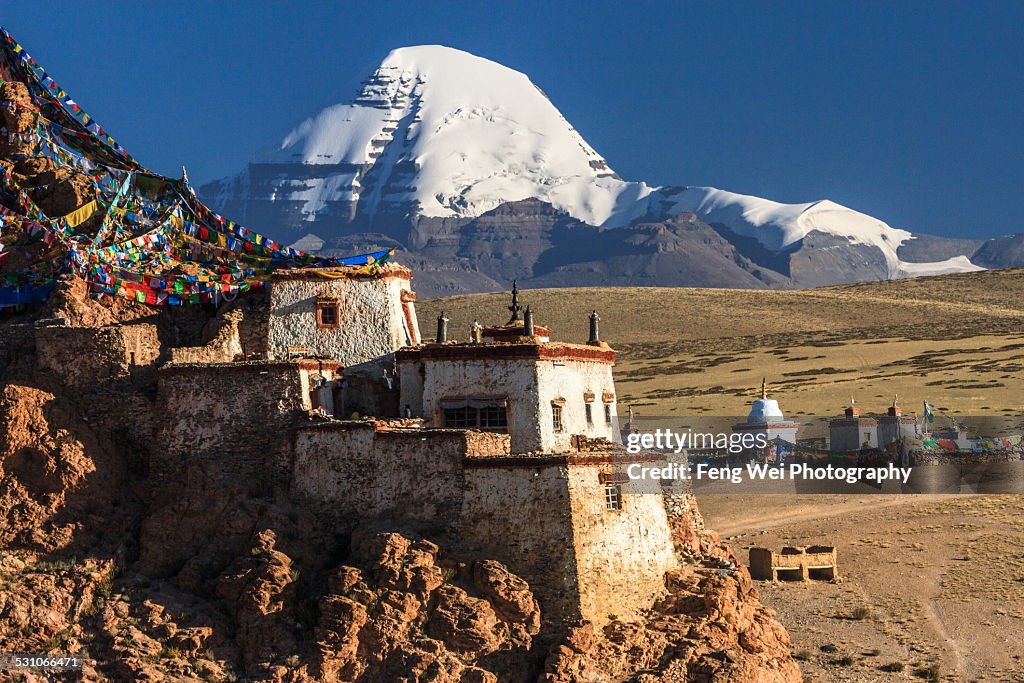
(860, 613)
(55, 566)
(57, 641)
(169, 652)
(105, 587)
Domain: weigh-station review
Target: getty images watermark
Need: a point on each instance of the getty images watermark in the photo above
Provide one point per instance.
(674, 442)
(885, 453)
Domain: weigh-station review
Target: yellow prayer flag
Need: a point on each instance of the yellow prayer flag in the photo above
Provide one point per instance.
(81, 214)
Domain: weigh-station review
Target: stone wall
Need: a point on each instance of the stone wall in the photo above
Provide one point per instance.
(224, 437)
(352, 471)
(622, 555)
(794, 563)
(223, 342)
(234, 418)
(940, 456)
(81, 356)
(371, 323)
(17, 349)
(521, 516)
(549, 523)
(544, 516)
(685, 522)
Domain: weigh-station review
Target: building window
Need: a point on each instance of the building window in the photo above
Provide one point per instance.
(493, 418)
(487, 418)
(328, 313)
(590, 413)
(612, 497)
(556, 416)
(608, 413)
(459, 418)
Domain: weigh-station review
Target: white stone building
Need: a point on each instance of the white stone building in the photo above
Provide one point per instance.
(852, 432)
(341, 314)
(512, 461)
(894, 426)
(352, 316)
(542, 393)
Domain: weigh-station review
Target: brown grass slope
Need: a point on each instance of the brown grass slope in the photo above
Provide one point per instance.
(957, 340)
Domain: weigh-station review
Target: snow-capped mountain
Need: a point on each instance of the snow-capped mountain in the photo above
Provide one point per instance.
(438, 138)
(779, 226)
(441, 133)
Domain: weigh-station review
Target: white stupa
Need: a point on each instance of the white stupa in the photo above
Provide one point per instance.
(766, 417)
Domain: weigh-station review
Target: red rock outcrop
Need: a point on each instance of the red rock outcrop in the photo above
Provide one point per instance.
(710, 627)
(60, 191)
(57, 191)
(405, 609)
(18, 114)
(59, 478)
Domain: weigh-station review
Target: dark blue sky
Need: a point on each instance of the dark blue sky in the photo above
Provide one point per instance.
(911, 111)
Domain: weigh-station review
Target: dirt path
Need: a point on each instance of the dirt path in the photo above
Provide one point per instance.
(803, 513)
(939, 624)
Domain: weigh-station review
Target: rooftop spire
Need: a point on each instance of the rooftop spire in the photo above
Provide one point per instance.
(515, 307)
(595, 337)
(764, 387)
(442, 328)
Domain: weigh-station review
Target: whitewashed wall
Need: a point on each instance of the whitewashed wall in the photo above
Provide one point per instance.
(512, 379)
(570, 380)
(529, 385)
(372, 322)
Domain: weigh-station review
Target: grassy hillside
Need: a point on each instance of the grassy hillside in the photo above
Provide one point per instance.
(956, 340)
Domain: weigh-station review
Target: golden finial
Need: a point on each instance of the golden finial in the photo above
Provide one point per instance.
(764, 387)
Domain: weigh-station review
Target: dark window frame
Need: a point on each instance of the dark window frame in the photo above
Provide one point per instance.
(487, 419)
(556, 418)
(331, 306)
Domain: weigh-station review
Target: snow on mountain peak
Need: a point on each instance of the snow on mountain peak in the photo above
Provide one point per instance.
(474, 133)
(438, 132)
(778, 225)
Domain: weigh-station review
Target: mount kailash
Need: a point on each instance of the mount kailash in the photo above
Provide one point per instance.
(469, 170)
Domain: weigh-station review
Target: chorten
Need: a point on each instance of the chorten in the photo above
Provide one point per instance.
(766, 418)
